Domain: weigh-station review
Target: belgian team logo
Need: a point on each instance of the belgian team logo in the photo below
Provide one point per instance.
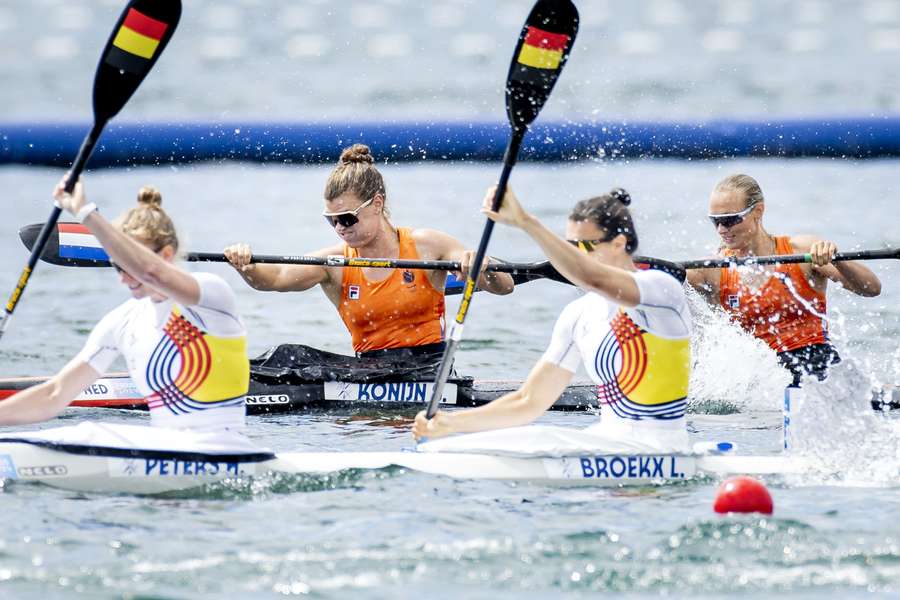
(627, 347)
(622, 362)
(175, 383)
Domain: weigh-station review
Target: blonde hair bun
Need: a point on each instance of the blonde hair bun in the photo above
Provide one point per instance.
(149, 196)
(357, 153)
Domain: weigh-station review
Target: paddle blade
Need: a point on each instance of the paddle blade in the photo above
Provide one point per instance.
(543, 49)
(69, 245)
(137, 41)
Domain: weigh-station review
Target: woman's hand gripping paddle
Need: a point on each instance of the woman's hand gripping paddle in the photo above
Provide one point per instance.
(541, 52)
(138, 39)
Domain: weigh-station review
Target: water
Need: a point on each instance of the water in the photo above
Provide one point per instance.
(396, 534)
(393, 59)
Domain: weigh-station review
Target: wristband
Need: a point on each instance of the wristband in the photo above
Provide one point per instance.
(84, 211)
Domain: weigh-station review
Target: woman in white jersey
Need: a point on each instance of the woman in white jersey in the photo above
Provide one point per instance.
(180, 334)
(630, 331)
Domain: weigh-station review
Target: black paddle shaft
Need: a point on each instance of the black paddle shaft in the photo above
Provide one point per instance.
(49, 227)
(784, 259)
(521, 272)
(443, 373)
(140, 35)
(542, 50)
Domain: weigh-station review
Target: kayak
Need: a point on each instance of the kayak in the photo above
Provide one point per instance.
(132, 459)
(116, 390)
(295, 377)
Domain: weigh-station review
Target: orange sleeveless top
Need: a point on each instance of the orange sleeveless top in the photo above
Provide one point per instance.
(786, 312)
(403, 310)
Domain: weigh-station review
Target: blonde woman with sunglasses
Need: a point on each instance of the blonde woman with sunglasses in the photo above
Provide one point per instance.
(180, 334)
(388, 312)
(630, 332)
(783, 305)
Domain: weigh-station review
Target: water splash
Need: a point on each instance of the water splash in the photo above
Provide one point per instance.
(732, 371)
(835, 426)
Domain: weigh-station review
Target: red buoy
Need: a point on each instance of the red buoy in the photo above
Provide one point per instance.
(743, 495)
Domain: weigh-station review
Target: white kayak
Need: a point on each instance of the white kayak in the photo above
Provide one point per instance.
(151, 460)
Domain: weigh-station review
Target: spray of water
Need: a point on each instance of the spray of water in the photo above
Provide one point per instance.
(846, 441)
(732, 371)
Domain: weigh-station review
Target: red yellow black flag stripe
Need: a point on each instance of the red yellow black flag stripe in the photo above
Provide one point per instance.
(136, 42)
(540, 56)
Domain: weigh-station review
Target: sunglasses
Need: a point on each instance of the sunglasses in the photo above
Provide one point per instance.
(587, 245)
(346, 218)
(729, 220)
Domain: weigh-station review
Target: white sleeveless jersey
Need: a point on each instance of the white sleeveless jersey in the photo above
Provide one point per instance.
(189, 362)
(639, 357)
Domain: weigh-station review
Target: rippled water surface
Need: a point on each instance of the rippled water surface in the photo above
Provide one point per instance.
(402, 59)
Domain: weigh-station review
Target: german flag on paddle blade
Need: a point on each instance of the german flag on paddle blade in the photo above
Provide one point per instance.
(136, 42)
(540, 56)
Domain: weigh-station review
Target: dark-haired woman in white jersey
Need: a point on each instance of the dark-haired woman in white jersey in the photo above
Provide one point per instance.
(630, 331)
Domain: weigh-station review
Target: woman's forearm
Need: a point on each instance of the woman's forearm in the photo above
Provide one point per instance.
(511, 410)
(124, 251)
(261, 277)
(538, 392)
(33, 405)
(46, 400)
(859, 279)
(495, 282)
(142, 263)
(614, 283)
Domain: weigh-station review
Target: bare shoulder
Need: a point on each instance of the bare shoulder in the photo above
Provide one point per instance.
(803, 242)
(435, 244)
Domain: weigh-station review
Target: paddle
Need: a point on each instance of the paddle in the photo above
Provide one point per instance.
(137, 40)
(542, 50)
(90, 254)
(717, 263)
(73, 245)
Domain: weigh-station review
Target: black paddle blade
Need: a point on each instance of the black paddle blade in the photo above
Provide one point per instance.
(543, 49)
(137, 41)
(78, 247)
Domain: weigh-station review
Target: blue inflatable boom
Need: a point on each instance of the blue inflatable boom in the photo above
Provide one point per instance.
(125, 144)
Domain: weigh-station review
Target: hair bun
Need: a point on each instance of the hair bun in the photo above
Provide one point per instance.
(150, 196)
(357, 153)
(621, 195)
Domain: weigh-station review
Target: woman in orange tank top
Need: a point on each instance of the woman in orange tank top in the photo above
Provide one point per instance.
(782, 305)
(388, 312)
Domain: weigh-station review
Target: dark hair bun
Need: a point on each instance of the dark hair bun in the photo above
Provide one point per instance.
(621, 195)
(357, 153)
(149, 196)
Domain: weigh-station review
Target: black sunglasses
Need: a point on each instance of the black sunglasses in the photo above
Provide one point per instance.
(346, 218)
(731, 219)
